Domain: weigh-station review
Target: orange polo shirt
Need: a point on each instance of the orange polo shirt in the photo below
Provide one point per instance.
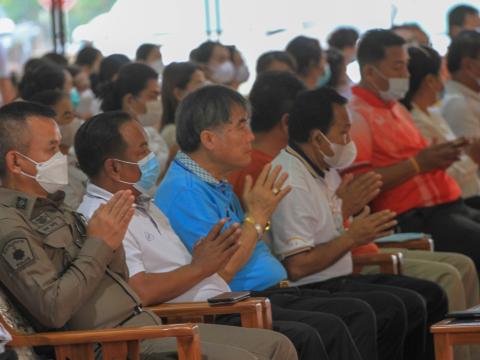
(386, 135)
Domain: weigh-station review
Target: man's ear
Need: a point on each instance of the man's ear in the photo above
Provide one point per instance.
(209, 139)
(284, 123)
(11, 162)
(112, 169)
(318, 140)
(367, 71)
(127, 101)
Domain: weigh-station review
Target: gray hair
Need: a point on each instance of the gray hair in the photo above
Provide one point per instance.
(206, 108)
(14, 130)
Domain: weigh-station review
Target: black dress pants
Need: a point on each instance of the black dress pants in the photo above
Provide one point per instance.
(294, 314)
(424, 302)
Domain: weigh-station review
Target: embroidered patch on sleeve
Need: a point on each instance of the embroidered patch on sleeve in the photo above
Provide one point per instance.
(18, 253)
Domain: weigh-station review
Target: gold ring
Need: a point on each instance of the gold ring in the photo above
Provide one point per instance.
(275, 191)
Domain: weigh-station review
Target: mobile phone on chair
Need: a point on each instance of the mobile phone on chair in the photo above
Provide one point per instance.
(228, 297)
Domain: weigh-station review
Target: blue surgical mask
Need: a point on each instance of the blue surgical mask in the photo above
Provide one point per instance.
(150, 170)
(327, 75)
(75, 97)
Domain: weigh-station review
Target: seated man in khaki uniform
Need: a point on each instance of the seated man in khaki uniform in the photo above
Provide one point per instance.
(66, 274)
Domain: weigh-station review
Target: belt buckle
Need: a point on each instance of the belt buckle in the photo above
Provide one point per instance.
(283, 284)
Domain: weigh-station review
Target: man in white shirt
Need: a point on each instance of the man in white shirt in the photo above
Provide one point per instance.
(112, 149)
(308, 232)
(461, 103)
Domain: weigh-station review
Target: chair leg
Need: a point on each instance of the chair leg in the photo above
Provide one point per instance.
(443, 347)
(74, 352)
(188, 347)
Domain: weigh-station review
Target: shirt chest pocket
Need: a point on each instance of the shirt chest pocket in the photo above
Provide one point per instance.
(60, 248)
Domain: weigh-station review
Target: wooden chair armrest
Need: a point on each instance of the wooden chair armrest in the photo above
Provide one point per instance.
(116, 343)
(252, 311)
(388, 263)
(425, 243)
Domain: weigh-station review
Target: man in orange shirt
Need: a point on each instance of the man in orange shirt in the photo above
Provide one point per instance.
(415, 184)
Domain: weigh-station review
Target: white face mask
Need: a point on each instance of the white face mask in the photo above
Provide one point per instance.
(343, 155)
(397, 88)
(153, 116)
(224, 73)
(68, 131)
(242, 74)
(52, 174)
(158, 66)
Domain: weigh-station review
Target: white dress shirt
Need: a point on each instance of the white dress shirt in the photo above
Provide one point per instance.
(151, 245)
(309, 215)
(465, 171)
(461, 109)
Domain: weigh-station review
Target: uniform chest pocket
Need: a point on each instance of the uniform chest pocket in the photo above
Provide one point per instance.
(60, 248)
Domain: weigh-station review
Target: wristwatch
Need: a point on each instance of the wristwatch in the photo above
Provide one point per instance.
(258, 227)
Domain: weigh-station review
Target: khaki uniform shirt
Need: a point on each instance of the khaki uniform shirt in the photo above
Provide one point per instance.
(58, 275)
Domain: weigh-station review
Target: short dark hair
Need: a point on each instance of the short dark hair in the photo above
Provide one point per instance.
(74, 70)
(306, 51)
(313, 110)
(42, 76)
(336, 61)
(266, 59)
(49, 97)
(56, 58)
(203, 53)
(87, 56)
(456, 16)
(132, 79)
(205, 108)
(109, 67)
(272, 96)
(372, 45)
(14, 131)
(144, 50)
(99, 139)
(465, 44)
(175, 75)
(423, 61)
(343, 37)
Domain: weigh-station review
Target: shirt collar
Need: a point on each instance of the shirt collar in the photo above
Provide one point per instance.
(27, 203)
(294, 150)
(100, 193)
(371, 98)
(457, 87)
(192, 166)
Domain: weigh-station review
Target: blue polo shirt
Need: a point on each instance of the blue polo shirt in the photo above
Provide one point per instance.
(194, 201)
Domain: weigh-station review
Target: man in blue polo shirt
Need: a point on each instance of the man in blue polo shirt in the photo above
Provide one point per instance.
(215, 138)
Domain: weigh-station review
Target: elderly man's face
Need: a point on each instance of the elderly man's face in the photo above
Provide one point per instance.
(232, 148)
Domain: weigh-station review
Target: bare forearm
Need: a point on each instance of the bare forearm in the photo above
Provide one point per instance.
(248, 241)
(397, 174)
(319, 258)
(156, 288)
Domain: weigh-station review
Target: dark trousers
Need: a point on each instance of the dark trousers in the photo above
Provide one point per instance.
(424, 302)
(473, 202)
(296, 315)
(454, 227)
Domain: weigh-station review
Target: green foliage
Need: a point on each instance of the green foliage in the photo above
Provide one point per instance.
(85, 10)
(81, 13)
(21, 10)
